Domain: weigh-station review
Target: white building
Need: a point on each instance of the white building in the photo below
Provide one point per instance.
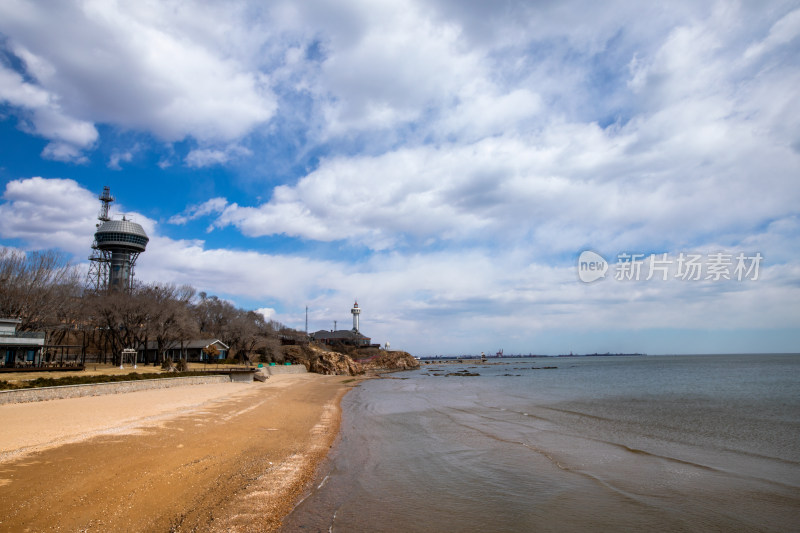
(19, 349)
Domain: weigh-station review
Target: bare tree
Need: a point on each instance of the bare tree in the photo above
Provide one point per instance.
(245, 332)
(42, 289)
(167, 316)
(120, 318)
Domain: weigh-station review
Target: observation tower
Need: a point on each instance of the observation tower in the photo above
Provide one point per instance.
(355, 311)
(117, 245)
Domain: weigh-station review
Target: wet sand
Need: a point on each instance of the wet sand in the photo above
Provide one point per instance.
(223, 457)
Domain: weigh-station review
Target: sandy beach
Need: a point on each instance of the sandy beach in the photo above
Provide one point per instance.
(222, 457)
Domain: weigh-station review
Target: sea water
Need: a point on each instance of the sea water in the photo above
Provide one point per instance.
(647, 443)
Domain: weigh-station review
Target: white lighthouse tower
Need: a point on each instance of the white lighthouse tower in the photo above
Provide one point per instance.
(356, 311)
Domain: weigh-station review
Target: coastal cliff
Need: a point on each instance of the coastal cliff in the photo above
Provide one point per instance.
(322, 360)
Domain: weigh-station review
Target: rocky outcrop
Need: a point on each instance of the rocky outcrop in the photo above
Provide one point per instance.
(321, 360)
(335, 363)
(394, 360)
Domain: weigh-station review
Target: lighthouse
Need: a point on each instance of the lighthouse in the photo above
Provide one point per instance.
(352, 337)
(355, 311)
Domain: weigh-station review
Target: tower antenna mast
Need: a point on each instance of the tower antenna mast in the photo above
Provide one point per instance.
(106, 200)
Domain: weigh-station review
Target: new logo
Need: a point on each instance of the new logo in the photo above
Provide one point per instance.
(591, 266)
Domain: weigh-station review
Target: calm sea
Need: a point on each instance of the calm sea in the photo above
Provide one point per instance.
(656, 443)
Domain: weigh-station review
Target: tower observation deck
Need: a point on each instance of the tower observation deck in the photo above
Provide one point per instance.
(117, 245)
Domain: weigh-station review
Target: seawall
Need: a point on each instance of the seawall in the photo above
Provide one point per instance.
(284, 369)
(99, 389)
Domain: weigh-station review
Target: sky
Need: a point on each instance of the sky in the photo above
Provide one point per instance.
(445, 163)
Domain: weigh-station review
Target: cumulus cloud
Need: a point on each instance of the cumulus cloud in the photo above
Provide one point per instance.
(471, 297)
(166, 69)
(42, 114)
(405, 69)
(267, 312)
(476, 296)
(401, 64)
(508, 167)
(56, 213)
(64, 152)
(576, 185)
(49, 213)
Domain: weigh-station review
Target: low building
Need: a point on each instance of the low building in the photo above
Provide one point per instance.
(342, 336)
(350, 337)
(19, 349)
(191, 350)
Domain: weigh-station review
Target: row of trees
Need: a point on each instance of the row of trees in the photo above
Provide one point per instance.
(46, 292)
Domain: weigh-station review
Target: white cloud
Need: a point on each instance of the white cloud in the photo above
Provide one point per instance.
(495, 161)
(212, 206)
(55, 213)
(49, 213)
(782, 32)
(400, 65)
(125, 156)
(485, 114)
(573, 186)
(212, 72)
(65, 152)
(426, 301)
(267, 312)
(17, 92)
(43, 115)
(163, 68)
(207, 157)
(449, 301)
(116, 158)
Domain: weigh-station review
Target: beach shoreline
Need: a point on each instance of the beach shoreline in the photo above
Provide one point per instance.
(221, 457)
